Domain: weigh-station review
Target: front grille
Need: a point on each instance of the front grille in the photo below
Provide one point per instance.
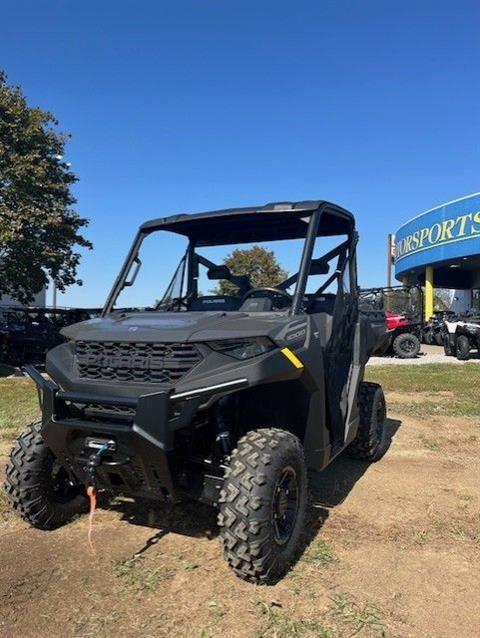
(164, 363)
(97, 411)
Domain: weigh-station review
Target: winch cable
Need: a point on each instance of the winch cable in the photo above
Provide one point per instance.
(93, 504)
(91, 492)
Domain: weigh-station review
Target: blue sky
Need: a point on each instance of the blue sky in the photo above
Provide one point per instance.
(194, 105)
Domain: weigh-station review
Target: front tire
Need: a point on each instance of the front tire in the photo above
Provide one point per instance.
(448, 346)
(406, 346)
(439, 338)
(38, 488)
(370, 443)
(463, 348)
(262, 504)
(427, 337)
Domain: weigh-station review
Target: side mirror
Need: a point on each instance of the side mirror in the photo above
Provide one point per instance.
(219, 272)
(319, 267)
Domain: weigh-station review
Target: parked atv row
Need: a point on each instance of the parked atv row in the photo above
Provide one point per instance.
(403, 309)
(26, 334)
(433, 330)
(406, 329)
(461, 336)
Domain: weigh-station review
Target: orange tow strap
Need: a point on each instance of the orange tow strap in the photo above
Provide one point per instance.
(93, 504)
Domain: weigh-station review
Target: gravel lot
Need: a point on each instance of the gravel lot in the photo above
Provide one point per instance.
(428, 354)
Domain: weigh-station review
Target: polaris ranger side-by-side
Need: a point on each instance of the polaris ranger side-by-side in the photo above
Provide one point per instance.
(227, 399)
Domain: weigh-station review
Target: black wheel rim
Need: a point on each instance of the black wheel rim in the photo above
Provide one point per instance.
(62, 488)
(408, 346)
(285, 505)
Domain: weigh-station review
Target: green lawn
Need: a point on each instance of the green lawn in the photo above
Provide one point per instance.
(18, 406)
(452, 389)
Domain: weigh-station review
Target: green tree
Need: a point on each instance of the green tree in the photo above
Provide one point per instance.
(259, 264)
(38, 228)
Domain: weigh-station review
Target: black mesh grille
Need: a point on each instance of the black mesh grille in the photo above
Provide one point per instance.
(164, 363)
(115, 412)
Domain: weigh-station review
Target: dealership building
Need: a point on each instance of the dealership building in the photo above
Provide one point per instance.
(440, 248)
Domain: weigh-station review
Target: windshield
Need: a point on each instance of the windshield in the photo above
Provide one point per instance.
(167, 273)
(170, 274)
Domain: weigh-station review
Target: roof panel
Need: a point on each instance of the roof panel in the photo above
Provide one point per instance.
(272, 222)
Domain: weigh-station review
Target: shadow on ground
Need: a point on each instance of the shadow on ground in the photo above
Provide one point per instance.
(327, 489)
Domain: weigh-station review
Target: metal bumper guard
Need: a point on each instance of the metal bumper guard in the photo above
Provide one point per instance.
(140, 463)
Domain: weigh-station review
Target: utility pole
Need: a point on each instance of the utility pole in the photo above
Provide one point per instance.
(390, 257)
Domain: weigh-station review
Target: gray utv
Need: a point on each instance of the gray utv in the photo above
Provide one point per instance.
(224, 398)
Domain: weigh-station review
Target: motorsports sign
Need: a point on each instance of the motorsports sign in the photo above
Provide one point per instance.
(447, 232)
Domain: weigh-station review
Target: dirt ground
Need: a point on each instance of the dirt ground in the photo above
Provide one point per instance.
(391, 550)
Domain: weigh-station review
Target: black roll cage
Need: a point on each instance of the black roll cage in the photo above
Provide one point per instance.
(315, 213)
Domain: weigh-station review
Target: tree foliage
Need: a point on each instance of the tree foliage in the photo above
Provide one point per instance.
(259, 264)
(38, 228)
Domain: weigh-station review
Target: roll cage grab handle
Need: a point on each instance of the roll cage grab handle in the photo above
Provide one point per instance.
(119, 284)
(302, 276)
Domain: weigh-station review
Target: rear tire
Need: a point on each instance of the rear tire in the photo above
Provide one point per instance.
(38, 488)
(406, 346)
(262, 504)
(463, 348)
(370, 443)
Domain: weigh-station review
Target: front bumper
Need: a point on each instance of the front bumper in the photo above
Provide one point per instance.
(139, 462)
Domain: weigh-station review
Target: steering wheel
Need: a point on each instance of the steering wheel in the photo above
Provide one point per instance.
(270, 292)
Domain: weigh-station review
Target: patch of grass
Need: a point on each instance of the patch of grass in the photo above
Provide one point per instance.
(430, 444)
(460, 532)
(436, 405)
(96, 623)
(18, 406)
(281, 624)
(96, 594)
(420, 536)
(140, 578)
(465, 500)
(318, 553)
(4, 504)
(461, 382)
(216, 612)
(355, 616)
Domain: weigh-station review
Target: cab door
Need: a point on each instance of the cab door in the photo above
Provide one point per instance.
(341, 356)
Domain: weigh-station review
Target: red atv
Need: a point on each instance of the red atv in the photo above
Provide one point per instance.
(403, 336)
(403, 308)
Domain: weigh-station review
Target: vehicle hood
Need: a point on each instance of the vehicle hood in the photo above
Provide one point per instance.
(173, 327)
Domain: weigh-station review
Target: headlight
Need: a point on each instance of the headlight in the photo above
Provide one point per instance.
(243, 348)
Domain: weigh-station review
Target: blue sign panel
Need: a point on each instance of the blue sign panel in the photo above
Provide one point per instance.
(446, 233)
